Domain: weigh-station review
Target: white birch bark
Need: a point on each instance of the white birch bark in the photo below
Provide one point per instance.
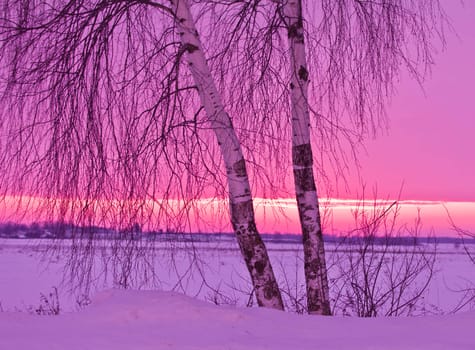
(318, 301)
(240, 199)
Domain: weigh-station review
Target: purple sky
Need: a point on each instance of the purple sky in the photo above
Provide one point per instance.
(430, 145)
(429, 148)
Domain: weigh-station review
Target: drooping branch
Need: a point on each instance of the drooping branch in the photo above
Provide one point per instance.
(101, 126)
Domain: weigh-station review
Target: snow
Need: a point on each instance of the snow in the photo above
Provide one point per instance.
(212, 271)
(132, 319)
(140, 320)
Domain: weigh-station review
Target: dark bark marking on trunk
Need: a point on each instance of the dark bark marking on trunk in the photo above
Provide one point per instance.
(242, 212)
(271, 291)
(295, 31)
(303, 73)
(240, 168)
(302, 155)
(304, 180)
(312, 268)
(307, 228)
(259, 266)
(190, 48)
(247, 249)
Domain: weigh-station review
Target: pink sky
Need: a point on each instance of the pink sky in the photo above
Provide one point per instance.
(431, 141)
(281, 216)
(429, 148)
(339, 216)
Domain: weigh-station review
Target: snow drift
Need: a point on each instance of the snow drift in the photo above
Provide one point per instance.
(142, 320)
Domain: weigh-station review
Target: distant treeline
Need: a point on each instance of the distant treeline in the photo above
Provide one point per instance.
(377, 240)
(69, 230)
(61, 230)
(42, 230)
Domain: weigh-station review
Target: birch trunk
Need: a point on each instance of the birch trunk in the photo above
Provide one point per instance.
(318, 301)
(240, 198)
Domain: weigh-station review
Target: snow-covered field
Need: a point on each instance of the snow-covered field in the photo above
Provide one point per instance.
(158, 320)
(162, 319)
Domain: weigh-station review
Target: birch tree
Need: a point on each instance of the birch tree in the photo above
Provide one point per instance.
(329, 67)
(241, 206)
(100, 121)
(318, 299)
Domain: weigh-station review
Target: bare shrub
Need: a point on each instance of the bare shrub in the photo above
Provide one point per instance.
(83, 301)
(467, 237)
(49, 304)
(293, 287)
(217, 297)
(383, 268)
(467, 298)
